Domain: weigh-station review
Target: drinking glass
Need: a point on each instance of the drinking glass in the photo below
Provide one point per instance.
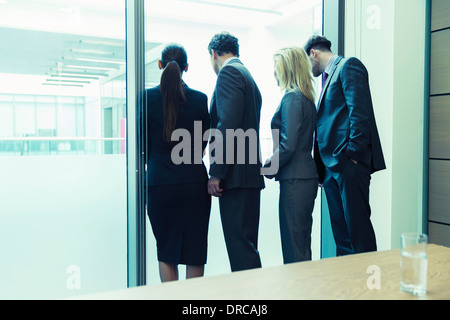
(414, 263)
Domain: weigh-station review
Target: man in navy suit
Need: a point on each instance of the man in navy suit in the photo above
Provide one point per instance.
(236, 105)
(347, 146)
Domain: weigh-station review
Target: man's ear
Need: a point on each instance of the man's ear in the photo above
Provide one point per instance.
(213, 54)
(160, 65)
(314, 53)
(187, 68)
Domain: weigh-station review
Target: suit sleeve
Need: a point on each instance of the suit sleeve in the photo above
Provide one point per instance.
(206, 121)
(355, 85)
(291, 121)
(230, 102)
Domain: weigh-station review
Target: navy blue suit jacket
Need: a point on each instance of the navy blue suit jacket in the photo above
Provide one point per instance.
(161, 169)
(236, 105)
(346, 126)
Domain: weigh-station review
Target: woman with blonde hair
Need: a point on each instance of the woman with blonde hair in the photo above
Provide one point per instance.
(294, 124)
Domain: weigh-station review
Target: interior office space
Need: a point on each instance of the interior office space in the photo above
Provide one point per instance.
(72, 219)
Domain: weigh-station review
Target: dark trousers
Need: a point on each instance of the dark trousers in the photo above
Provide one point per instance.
(240, 213)
(297, 197)
(348, 201)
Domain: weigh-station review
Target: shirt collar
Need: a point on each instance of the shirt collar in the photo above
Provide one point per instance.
(229, 60)
(330, 64)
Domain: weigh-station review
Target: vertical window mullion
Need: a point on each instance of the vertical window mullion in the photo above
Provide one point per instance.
(135, 85)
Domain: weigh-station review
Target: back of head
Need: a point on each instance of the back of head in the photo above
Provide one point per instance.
(224, 43)
(174, 62)
(317, 42)
(293, 71)
(174, 52)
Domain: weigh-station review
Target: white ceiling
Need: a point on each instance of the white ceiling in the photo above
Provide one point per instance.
(44, 37)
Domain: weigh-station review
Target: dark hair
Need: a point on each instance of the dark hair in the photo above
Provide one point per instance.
(223, 43)
(317, 42)
(174, 62)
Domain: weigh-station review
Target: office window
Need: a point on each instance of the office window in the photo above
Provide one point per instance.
(262, 27)
(63, 207)
(63, 120)
(61, 55)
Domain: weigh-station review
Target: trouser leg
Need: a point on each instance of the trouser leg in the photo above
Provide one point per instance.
(296, 205)
(348, 201)
(240, 214)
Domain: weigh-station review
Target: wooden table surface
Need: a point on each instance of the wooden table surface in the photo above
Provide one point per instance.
(342, 278)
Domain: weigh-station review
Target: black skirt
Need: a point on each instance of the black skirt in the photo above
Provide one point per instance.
(179, 216)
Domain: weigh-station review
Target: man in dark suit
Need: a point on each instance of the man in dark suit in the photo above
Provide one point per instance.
(347, 146)
(235, 176)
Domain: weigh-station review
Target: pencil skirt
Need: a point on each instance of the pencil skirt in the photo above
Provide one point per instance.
(179, 216)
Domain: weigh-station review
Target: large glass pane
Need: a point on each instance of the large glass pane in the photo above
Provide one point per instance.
(63, 196)
(263, 27)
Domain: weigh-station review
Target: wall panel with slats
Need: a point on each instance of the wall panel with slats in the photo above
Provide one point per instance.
(439, 165)
(440, 127)
(439, 191)
(440, 14)
(440, 62)
(439, 234)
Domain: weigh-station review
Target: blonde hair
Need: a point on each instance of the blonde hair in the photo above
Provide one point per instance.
(293, 71)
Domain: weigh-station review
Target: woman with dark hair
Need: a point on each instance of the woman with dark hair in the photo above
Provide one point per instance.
(178, 203)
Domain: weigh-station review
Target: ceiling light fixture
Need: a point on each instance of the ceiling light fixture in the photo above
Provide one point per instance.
(100, 42)
(73, 77)
(82, 73)
(94, 52)
(101, 61)
(63, 85)
(68, 81)
(91, 68)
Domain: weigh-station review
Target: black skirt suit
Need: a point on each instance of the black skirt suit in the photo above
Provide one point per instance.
(178, 202)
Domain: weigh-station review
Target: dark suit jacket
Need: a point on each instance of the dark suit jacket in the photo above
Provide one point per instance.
(161, 170)
(295, 119)
(346, 127)
(236, 104)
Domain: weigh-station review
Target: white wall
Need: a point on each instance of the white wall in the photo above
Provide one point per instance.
(59, 212)
(389, 37)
